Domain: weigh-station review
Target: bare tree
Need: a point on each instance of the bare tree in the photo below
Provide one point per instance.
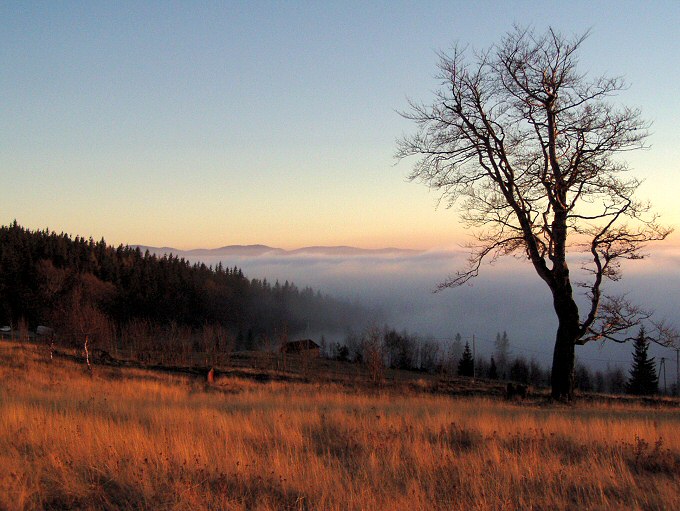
(139, 338)
(373, 355)
(225, 343)
(90, 325)
(530, 146)
(22, 327)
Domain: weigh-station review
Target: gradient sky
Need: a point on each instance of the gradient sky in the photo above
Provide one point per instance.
(192, 124)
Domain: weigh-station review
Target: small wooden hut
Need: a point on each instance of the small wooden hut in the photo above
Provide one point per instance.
(301, 346)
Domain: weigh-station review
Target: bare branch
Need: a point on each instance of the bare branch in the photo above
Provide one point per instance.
(617, 315)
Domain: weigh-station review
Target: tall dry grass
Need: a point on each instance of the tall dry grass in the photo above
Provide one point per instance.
(137, 440)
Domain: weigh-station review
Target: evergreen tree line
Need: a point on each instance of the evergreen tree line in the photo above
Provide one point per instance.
(78, 285)
(403, 350)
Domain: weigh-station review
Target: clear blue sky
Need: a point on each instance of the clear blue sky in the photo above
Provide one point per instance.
(193, 124)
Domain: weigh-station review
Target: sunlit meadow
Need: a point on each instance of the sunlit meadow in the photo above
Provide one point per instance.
(127, 438)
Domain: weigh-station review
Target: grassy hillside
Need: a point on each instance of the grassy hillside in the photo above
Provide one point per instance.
(130, 438)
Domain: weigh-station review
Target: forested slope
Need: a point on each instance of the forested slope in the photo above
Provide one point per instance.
(76, 284)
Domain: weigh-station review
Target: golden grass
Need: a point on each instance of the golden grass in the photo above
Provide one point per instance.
(132, 439)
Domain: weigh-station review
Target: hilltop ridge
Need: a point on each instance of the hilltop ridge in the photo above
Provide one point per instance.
(260, 250)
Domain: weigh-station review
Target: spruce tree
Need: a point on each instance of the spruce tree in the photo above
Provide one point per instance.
(502, 353)
(493, 370)
(457, 348)
(466, 366)
(643, 380)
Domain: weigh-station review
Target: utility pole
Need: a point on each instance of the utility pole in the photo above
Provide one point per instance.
(474, 358)
(662, 367)
(677, 371)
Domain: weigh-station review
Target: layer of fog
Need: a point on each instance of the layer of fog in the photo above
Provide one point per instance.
(507, 296)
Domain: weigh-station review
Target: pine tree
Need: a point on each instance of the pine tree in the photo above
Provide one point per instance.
(643, 380)
(583, 380)
(457, 347)
(502, 353)
(466, 366)
(493, 370)
(519, 370)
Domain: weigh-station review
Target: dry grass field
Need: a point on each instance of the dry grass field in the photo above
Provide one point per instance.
(131, 439)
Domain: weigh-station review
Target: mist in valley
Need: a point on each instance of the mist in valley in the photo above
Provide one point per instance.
(397, 288)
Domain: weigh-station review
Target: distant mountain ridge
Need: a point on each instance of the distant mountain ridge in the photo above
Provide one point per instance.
(260, 250)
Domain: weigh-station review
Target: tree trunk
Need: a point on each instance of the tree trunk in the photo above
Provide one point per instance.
(562, 378)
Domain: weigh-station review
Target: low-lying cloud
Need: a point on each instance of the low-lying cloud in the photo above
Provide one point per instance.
(507, 296)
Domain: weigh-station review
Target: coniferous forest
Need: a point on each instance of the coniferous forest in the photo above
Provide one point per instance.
(78, 285)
